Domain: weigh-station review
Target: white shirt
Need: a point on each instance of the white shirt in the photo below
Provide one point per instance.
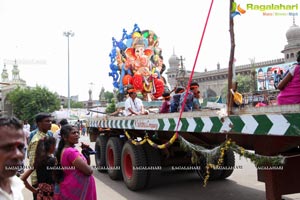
(135, 105)
(16, 186)
(26, 135)
(27, 127)
(57, 137)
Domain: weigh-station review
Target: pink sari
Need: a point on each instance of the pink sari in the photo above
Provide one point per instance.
(76, 185)
(291, 92)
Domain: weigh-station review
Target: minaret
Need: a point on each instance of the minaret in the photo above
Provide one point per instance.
(15, 73)
(102, 97)
(293, 43)
(4, 75)
(90, 101)
(172, 71)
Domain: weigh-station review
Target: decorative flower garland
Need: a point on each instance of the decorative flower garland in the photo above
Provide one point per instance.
(219, 152)
(153, 144)
(211, 154)
(147, 88)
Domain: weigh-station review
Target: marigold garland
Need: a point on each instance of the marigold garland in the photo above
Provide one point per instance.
(147, 88)
(151, 143)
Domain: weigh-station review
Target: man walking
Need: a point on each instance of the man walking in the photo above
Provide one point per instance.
(43, 121)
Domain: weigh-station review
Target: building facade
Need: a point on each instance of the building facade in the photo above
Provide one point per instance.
(212, 82)
(6, 86)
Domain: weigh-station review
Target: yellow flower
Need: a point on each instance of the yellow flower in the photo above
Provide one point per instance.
(242, 151)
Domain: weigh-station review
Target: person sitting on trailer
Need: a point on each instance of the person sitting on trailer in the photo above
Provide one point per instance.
(196, 102)
(290, 85)
(236, 96)
(118, 113)
(175, 100)
(188, 107)
(165, 107)
(134, 105)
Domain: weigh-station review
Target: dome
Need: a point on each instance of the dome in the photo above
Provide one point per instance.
(174, 61)
(293, 33)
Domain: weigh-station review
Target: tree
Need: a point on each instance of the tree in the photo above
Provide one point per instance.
(108, 96)
(111, 107)
(74, 104)
(27, 102)
(244, 85)
(253, 75)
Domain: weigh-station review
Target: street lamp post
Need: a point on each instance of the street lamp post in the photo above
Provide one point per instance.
(69, 34)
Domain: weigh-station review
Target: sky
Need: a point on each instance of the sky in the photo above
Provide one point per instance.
(32, 33)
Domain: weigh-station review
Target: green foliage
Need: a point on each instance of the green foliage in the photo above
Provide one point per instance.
(108, 96)
(245, 85)
(74, 104)
(27, 102)
(111, 107)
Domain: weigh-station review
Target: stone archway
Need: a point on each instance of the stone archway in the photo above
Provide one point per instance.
(211, 93)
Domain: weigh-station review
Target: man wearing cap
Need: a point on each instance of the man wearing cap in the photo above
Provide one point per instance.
(134, 105)
(188, 107)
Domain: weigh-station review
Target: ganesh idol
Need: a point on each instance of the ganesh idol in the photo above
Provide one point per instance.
(144, 72)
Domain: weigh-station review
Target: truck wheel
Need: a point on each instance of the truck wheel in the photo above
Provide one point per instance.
(133, 162)
(93, 132)
(229, 163)
(100, 148)
(153, 158)
(214, 174)
(113, 158)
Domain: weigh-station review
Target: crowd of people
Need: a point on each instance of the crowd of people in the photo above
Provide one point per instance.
(55, 165)
(170, 103)
(288, 84)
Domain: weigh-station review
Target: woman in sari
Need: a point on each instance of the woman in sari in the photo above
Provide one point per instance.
(290, 85)
(74, 180)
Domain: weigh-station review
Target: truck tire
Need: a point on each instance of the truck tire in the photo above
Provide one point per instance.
(100, 148)
(93, 133)
(133, 162)
(153, 158)
(113, 158)
(229, 163)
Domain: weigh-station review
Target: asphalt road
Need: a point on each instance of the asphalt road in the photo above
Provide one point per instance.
(241, 185)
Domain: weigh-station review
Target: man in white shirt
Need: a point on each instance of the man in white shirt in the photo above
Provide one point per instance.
(12, 153)
(57, 133)
(26, 125)
(134, 105)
